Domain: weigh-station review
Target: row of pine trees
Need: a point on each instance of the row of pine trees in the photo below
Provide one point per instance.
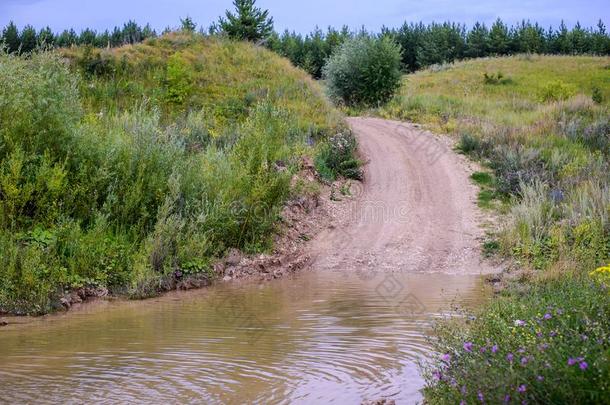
(28, 39)
(422, 44)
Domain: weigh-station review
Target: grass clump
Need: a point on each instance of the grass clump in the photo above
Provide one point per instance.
(132, 176)
(547, 143)
(496, 78)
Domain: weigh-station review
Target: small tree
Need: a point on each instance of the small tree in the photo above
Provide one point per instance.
(29, 39)
(248, 23)
(499, 41)
(364, 71)
(188, 25)
(10, 36)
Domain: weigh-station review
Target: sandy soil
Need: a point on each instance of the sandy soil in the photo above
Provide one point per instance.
(415, 211)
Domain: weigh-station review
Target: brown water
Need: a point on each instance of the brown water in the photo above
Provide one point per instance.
(318, 337)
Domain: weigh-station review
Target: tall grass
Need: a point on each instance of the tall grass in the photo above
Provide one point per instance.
(125, 169)
(544, 133)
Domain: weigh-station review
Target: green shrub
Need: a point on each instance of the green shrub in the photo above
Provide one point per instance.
(337, 158)
(469, 143)
(179, 79)
(556, 91)
(597, 96)
(364, 71)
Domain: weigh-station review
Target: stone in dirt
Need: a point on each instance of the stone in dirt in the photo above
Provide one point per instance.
(380, 402)
(233, 257)
(3, 323)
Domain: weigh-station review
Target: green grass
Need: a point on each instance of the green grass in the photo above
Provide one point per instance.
(541, 125)
(133, 165)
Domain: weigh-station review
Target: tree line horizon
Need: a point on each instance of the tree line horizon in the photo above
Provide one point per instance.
(422, 44)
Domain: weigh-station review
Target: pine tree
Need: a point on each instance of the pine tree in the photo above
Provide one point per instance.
(600, 40)
(477, 41)
(148, 32)
(10, 37)
(116, 38)
(248, 23)
(188, 25)
(87, 37)
(132, 33)
(29, 39)
(499, 40)
(46, 37)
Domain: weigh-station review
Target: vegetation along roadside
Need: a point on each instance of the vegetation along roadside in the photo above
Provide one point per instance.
(541, 126)
(124, 167)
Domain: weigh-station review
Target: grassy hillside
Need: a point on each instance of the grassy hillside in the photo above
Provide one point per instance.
(121, 168)
(541, 125)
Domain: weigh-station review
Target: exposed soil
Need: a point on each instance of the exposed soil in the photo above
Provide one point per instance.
(416, 210)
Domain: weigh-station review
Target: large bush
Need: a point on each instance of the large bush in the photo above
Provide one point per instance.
(364, 71)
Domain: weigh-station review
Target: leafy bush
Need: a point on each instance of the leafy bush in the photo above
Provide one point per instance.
(179, 79)
(469, 143)
(556, 91)
(364, 71)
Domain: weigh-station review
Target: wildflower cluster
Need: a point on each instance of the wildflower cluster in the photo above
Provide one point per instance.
(517, 353)
(601, 275)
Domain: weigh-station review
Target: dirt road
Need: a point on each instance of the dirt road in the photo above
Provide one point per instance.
(415, 211)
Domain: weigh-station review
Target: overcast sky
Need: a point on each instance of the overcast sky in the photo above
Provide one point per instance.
(301, 16)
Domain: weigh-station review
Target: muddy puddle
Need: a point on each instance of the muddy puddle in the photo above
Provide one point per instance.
(316, 337)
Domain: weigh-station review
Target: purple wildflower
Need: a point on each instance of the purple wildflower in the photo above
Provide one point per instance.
(522, 388)
(462, 402)
(483, 349)
(468, 346)
(510, 357)
(524, 361)
(553, 333)
(519, 322)
(521, 350)
(438, 375)
(571, 361)
(446, 357)
(494, 348)
(480, 396)
(506, 399)
(540, 378)
(543, 347)
(583, 365)
(547, 316)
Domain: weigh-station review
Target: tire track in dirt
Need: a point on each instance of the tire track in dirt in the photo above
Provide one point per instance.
(416, 210)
